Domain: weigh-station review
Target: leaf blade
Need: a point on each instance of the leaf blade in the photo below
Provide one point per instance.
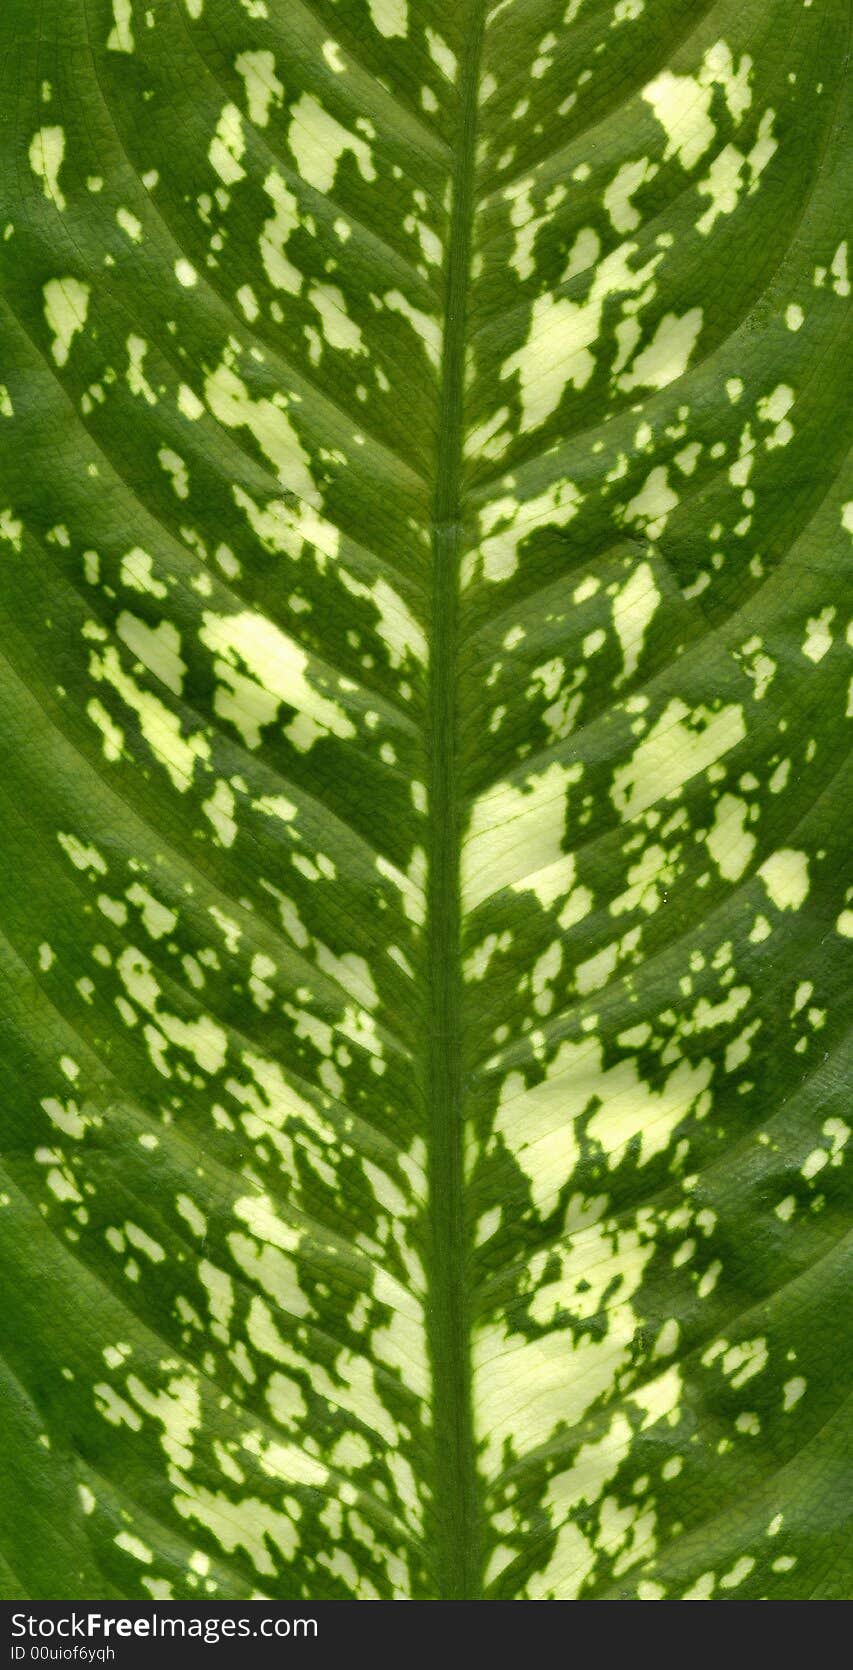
(424, 939)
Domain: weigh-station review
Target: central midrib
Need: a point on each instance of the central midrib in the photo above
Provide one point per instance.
(458, 1559)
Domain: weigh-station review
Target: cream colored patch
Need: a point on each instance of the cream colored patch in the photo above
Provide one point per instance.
(652, 507)
(275, 672)
(634, 606)
(274, 238)
(441, 54)
(732, 174)
(681, 745)
(318, 143)
(427, 328)
(263, 88)
(527, 1390)
(158, 648)
(228, 146)
(268, 422)
(818, 639)
(337, 328)
(558, 351)
(120, 38)
(219, 809)
(403, 636)
(390, 17)
(729, 842)
(786, 876)
(537, 1123)
(66, 309)
(667, 355)
(47, 150)
(682, 103)
(160, 727)
(514, 833)
(617, 197)
(516, 521)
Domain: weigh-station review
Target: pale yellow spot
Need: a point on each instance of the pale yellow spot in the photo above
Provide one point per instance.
(47, 150)
(263, 88)
(125, 1541)
(318, 143)
(66, 310)
(120, 38)
(441, 54)
(668, 353)
(157, 648)
(634, 606)
(786, 876)
(515, 833)
(729, 842)
(818, 640)
(274, 237)
(389, 17)
(654, 504)
(425, 326)
(219, 809)
(228, 146)
(682, 103)
(506, 523)
(617, 196)
(231, 403)
(792, 1392)
(681, 745)
(558, 350)
(160, 727)
(275, 672)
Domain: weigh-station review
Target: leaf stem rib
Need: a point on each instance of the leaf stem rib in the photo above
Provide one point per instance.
(458, 1550)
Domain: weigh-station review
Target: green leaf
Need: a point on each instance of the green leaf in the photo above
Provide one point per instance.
(424, 806)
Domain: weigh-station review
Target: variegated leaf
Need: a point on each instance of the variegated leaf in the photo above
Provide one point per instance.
(424, 675)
